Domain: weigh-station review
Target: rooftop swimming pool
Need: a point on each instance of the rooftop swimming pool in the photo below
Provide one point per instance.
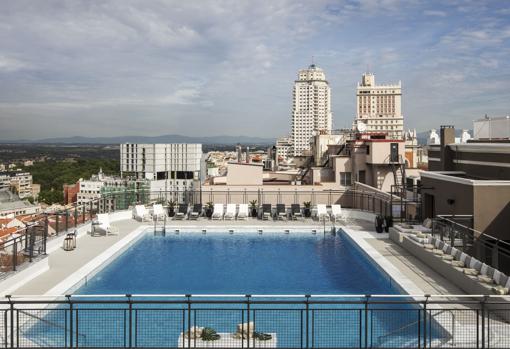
(268, 263)
(241, 263)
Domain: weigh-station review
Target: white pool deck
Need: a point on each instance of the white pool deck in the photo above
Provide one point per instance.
(67, 268)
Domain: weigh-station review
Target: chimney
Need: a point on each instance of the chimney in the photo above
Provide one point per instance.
(447, 136)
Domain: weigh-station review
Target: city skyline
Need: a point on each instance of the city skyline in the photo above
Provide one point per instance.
(131, 68)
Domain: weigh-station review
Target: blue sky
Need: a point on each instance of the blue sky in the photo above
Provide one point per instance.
(120, 67)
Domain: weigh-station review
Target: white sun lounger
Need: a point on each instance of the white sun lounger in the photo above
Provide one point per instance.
(243, 211)
(336, 212)
(140, 213)
(102, 225)
(231, 211)
(322, 212)
(218, 211)
(158, 212)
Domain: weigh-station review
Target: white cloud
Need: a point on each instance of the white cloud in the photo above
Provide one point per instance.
(8, 64)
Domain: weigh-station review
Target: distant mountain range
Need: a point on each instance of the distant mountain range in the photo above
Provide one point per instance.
(148, 139)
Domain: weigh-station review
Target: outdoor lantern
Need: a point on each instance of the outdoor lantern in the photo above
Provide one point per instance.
(73, 236)
(68, 243)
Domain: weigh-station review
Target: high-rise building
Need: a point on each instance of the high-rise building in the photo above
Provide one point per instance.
(311, 108)
(379, 108)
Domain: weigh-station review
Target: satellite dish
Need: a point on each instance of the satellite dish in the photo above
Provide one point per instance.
(361, 126)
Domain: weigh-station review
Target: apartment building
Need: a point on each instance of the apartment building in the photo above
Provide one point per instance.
(379, 108)
(91, 190)
(283, 148)
(19, 182)
(311, 108)
(167, 167)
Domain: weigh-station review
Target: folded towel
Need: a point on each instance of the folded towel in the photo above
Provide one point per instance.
(447, 257)
(485, 279)
(471, 271)
(428, 246)
(500, 290)
(437, 252)
(458, 264)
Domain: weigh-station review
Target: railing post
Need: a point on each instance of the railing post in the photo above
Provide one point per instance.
(188, 300)
(57, 223)
(130, 319)
(71, 321)
(15, 254)
(11, 306)
(307, 324)
(45, 233)
(248, 320)
(67, 220)
(425, 320)
(75, 216)
(367, 297)
(482, 303)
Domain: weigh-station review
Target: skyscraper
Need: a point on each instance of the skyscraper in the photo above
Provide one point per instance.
(311, 107)
(379, 108)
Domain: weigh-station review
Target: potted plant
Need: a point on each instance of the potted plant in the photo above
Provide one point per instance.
(307, 211)
(209, 209)
(171, 208)
(388, 223)
(253, 207)
(379, 224)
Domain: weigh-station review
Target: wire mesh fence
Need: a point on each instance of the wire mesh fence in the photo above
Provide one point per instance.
(223, 322)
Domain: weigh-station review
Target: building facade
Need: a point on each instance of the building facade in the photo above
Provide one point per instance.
(283, 148)
(471, 179)
(167, 167)
(18, 182)
(379, 108)
(311, 108)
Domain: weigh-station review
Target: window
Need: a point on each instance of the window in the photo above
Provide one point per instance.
(345, 178)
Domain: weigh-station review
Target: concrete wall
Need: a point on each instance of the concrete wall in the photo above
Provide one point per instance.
(244, 174)
(492, 210)
(462, 194)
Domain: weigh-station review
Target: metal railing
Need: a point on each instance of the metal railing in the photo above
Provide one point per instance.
(254, 321)
(457, 231)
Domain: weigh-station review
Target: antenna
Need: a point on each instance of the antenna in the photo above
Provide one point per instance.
(313, 60)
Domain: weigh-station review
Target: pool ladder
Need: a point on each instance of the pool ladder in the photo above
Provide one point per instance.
(163, 228)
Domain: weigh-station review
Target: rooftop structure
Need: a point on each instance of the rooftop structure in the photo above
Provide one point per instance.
(471, 179)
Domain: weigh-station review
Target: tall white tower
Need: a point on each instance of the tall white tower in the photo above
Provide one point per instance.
(311, 107)
(379, 108)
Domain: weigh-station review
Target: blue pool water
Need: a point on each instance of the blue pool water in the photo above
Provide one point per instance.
(241, 263)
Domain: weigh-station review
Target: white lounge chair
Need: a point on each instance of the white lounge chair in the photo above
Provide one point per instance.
(231, 211)
(217, 211)
(322, 212)
(336, 212)
(140, 213)
(102, 225)
(158, 212)
(243, 211)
